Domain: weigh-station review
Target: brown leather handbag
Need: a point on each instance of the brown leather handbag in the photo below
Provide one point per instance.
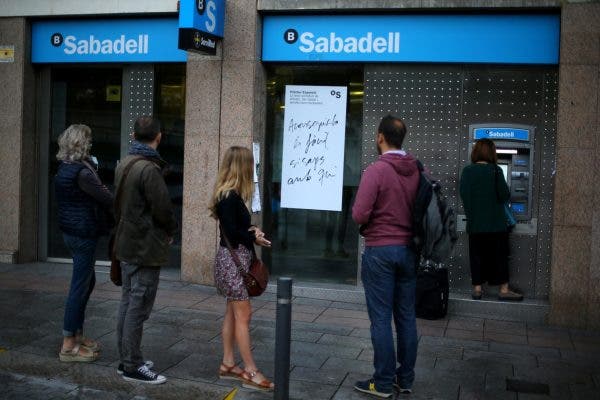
(257, 277)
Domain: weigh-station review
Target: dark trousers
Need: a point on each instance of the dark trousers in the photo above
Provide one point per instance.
(139, 291)
(488, 254)
(83, 280)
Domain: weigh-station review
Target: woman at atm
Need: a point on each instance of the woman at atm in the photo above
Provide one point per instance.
(484, 192)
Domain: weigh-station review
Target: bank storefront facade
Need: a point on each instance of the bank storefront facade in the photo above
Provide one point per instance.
(513, 74)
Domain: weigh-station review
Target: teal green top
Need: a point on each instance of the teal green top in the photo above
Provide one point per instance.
(484, 191)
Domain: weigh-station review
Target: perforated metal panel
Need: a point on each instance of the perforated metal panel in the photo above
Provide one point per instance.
(138, 98)
(437, 104)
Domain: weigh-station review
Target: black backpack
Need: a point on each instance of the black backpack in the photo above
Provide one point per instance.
(434, 222)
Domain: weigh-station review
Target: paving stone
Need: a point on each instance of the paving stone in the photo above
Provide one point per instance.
(188, 346)
(84, 393)
(505, 338)
(584, 392)
(311, 302)
(323, 328)
(178, 389)
(197, 366)
(506, 327)
(524, 349)
(361, 333)
(553, 375)
(345, 341)
(345, 322)
(315, 361)
(451, 342)
(555, 342)
(437, 323)
(349, 306)
(348, 365)
(471, 324)
(464, 334)
(185, 332)
(301, 389)
(305, 348)
(476, 367)
(436, 351)
(520, 359)
(297, 335)
(431, 331)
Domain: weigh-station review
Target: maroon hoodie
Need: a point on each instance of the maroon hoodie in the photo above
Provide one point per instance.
(385, 199)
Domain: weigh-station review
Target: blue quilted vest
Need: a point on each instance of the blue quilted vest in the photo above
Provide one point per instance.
(76, 209)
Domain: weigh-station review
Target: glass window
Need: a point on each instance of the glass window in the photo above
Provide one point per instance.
(89, 96)
(312, 245)
(169, 108)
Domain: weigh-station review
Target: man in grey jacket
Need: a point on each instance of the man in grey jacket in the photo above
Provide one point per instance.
(146, 225)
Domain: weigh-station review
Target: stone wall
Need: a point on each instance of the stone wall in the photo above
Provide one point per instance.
(575, 292)
(223, 108)
(18, 153)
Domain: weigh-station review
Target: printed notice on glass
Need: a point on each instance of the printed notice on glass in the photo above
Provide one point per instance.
(312, 174)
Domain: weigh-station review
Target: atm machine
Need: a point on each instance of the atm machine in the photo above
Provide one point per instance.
(515, 149)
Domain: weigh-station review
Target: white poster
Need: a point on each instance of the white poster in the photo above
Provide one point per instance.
(256, 207)
(312, 173)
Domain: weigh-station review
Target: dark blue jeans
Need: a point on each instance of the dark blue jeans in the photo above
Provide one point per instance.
(389, 279)
(83, 280)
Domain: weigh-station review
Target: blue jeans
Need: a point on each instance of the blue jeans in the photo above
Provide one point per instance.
(389, 278)
(83, 280)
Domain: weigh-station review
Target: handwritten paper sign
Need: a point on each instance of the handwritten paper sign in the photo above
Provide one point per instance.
(312, 172)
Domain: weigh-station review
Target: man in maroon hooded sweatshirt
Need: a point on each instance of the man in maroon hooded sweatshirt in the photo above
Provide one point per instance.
(383, 207)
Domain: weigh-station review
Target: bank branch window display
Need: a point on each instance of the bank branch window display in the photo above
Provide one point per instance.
(312, 170)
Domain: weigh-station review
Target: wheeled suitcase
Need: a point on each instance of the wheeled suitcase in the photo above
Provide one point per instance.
(432, 293)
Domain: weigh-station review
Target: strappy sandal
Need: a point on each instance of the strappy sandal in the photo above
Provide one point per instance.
(91, 345)
(265, 385)
(226, 372)
(75, 355)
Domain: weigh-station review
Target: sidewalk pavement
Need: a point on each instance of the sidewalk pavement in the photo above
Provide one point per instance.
(458, 358)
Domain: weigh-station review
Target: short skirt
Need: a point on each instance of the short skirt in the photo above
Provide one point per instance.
(228, 280)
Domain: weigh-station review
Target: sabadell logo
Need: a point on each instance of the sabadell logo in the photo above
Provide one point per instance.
(92, 45)
(335, 43)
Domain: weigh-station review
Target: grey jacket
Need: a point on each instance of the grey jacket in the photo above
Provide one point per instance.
(146, 222)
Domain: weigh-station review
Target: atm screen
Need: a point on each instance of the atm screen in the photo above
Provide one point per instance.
(504, 168)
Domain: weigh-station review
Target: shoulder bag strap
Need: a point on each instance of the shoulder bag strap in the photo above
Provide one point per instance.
(236, 259)
(119, 193)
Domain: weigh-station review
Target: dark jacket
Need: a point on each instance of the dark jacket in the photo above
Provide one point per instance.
(385, 200)
(81, 198)
(146, 222)
(484, 191)
(234, 218)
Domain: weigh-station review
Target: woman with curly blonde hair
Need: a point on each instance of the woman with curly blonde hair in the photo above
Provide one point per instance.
(80, 194)
(229, 205)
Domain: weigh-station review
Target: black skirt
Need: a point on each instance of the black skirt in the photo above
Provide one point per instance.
(488, 254)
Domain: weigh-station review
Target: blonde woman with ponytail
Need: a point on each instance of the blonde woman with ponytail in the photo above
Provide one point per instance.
(229, 205)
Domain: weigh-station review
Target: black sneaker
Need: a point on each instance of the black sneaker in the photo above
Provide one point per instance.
(144, 375)
(147, 363)
(369, 388)
(402, 389)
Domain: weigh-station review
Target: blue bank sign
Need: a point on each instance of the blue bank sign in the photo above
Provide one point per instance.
(201, 24)
(114, 40)
(501, 134)
(505, 39)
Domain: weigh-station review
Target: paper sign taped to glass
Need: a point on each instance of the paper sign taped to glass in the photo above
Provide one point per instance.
(312, 173)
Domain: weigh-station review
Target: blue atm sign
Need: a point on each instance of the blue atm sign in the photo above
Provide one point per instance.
(521, 135)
